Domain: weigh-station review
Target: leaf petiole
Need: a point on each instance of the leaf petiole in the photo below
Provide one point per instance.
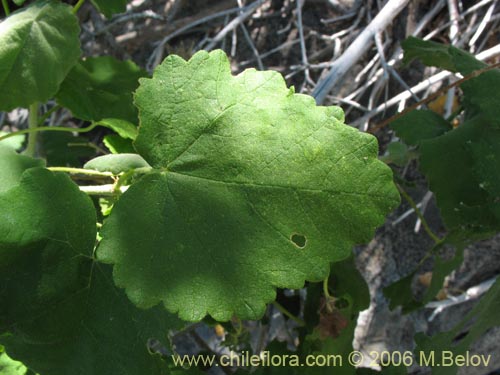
(288, 314)
(426, 226)
(32, 130)
(6, 8)
(49, 128)
(77, 6)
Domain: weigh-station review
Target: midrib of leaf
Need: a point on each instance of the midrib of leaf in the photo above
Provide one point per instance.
(275, 186)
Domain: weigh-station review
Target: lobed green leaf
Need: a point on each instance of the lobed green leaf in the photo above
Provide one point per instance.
(255, 188)
(39, 44)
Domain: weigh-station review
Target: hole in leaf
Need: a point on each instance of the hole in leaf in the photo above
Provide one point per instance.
(299, 240)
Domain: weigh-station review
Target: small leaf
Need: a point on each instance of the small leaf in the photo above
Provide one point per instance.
(419, 125)
(117, 163)
(12, 166)
(440, 55)
(39, 44)
(100, 88)
(110, 7)
(118, 145)
(96, 320)
(55, 304)
(244, 167)
(480, 93)
(465, 177)
(123, 128)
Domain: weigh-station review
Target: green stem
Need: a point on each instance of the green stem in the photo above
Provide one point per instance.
(431, 234)
(89, 172)
(49, 128)
(287, 313)
(46, 115)
(32, 130)
(326, 292)
(77, 6)
(6, 8)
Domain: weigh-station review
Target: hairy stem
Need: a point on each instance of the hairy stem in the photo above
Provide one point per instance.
(428, 230)
(32, 130)
(288, 314)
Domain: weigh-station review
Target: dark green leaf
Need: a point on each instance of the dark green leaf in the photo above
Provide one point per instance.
(440, 55)
(100, 88)
(39, 44)
(110, 7)
(462, 168)
(419, 125)
(63, 149)
(480, 93)
(59, 312)
(257, 188)
(12, 167)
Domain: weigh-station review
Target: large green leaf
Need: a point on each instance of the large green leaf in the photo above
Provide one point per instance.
(419, 125)
(110, 7)
(444, 347)
(101, 87)
(38, 46)
(256, 188)
(462, 165)
(60, 313)
(12, 167)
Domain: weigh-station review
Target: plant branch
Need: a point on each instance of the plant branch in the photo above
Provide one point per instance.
(89, 172)
(32, 130)
(435, 95)
(103, 190)
(288, 314)
(427, 229)
(6, 8)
